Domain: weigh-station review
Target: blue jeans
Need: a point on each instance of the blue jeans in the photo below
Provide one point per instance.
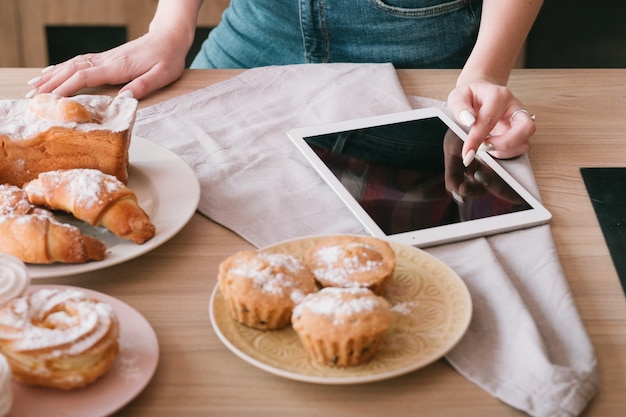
(406, 33)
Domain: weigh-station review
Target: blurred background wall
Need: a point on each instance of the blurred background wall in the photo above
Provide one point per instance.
(36, 33)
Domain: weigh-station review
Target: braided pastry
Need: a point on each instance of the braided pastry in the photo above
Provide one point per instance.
(94, 197)
(58, 338)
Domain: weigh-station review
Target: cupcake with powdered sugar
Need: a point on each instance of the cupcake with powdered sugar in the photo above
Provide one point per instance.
(262, 288)
(352, 261)
(342, 326)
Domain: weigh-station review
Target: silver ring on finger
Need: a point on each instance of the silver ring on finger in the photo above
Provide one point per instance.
(516, 112)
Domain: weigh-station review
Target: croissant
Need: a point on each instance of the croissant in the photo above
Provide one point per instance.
(13, 200)
(95, 198)
(38, 238)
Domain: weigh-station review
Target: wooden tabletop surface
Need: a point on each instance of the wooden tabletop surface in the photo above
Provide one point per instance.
(581, 121)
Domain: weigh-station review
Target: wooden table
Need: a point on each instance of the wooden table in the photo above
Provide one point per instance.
(581, 121)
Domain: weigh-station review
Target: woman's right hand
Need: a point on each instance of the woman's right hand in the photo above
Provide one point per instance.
(145, 64)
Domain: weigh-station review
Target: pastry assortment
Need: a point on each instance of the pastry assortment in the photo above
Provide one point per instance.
(66, 154)
(343, 317)
(71, 155)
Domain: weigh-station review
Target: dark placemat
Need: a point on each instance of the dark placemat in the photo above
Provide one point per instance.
(607, 190)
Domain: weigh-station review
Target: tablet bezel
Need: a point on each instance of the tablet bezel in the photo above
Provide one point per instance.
(431, 236)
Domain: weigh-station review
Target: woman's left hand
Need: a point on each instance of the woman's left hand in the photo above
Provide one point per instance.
(496, 118)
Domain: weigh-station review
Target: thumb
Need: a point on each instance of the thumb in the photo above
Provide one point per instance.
(144, 85)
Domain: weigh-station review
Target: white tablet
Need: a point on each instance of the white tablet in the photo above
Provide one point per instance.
(403, 178)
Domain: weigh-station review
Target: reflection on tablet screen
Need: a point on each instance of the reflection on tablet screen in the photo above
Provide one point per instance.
(410, 176)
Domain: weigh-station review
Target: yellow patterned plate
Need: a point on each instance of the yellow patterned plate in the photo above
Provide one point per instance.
(431, 309)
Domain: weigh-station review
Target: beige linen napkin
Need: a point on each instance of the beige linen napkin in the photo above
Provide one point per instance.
(526, 344)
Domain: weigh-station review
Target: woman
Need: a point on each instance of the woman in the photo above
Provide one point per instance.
(481, 37)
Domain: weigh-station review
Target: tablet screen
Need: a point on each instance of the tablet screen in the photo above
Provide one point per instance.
(410, 176)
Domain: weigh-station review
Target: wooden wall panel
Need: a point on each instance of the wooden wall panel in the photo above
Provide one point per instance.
(23, 23)
(10, 39)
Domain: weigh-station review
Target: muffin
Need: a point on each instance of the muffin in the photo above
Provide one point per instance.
(352, 261)
(341, 326)
(261, 288)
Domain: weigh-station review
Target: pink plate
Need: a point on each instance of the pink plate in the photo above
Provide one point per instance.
(133, 369)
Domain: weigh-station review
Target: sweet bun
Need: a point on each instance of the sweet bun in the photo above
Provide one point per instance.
(58, 338)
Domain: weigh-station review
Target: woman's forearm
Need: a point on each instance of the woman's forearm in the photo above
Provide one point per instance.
(177, 18)
(504, 26)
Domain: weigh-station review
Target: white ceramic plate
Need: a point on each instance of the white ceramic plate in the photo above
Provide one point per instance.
(133, 369)
(166, 188)
(431, 310)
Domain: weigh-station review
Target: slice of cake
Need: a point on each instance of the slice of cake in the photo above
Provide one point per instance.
(49, 132)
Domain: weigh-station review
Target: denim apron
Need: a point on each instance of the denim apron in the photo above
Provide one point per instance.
(406, 33)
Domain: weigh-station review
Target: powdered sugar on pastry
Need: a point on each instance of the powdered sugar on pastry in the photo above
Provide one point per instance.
(14, 278)
(272, 273)
(342, 262)
(59, 338)
(13, 200)
(60, 109)
(88, 187)
(261, 288)
(351, 261)
(64, 321)
(33, 235)
(339, 304)
(94, 197)
(22, 119)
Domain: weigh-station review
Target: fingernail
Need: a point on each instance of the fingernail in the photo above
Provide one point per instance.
(458, 198)
(32, 92)
(467, 118)
(46, 69)
(126, 94)
(469, 157)
(34, 80)
(486, 147)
